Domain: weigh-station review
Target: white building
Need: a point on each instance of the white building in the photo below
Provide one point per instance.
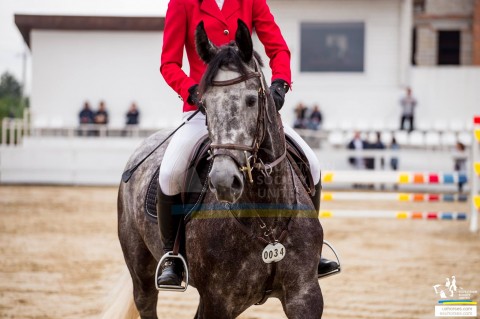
(352, 57)
(117, 59)
(77, 59)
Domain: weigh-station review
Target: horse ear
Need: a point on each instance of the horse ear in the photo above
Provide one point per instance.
(244, 41)
(205, 48)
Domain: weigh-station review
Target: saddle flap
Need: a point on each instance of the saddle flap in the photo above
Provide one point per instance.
(193, 185)
(300, 164)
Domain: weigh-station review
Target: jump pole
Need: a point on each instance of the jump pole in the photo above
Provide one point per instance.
(328, 196)
(393, 177)
(402, 215)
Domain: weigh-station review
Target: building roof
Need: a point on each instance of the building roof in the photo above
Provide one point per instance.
(26, 23)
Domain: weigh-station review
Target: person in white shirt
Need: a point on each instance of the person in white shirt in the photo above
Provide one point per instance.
(408, 104)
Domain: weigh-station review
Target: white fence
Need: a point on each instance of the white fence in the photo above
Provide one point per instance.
(66, 161)
(13, 131)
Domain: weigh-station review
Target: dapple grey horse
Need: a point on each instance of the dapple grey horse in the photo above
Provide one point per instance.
(256, 234)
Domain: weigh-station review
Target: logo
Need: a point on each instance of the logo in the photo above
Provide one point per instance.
(455, 301)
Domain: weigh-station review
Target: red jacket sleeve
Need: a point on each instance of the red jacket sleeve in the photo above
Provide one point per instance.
(174, 35)
(275, 46)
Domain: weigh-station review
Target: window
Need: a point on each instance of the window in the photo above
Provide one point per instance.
(332, 47)
(413, 58)
(419, 6)
(448, 50)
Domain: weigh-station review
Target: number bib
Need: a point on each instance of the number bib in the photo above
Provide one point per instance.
(273, 253)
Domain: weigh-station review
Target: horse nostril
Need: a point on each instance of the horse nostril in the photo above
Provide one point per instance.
(237, 184)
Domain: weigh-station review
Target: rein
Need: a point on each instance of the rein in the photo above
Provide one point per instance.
(252, 161)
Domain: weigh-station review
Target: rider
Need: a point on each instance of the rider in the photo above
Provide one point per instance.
(220, 20)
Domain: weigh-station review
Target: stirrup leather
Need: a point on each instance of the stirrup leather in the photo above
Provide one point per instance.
(180, 288)
(338, 269)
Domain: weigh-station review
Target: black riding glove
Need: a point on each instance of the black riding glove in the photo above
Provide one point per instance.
(194, 98)
(278, 89)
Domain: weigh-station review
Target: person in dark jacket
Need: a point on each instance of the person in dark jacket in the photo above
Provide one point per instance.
(132, 115)
(101, 116)
(358, 144)
(86, 114)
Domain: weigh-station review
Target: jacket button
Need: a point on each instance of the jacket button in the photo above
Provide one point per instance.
(226, 32)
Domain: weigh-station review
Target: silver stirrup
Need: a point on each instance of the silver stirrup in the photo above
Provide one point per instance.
(335, 271)
(162, 261)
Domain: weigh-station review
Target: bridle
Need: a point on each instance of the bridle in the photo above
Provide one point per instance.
(252, 160)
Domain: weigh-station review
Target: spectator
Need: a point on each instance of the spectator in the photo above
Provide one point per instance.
(132, 115)
(85, 118)
(315, 118)
(378, 144)
(460, 162)
(408, 104)
(394, 160)
(357, 144)
(300, 115)
(101, 116)
(86, 114)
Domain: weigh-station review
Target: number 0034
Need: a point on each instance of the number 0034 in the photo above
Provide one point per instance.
(273, 253)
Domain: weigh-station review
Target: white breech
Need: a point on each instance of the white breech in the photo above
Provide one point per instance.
(177, 155)
(309, 153)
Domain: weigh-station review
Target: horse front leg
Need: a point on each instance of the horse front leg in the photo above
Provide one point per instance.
(215, 307)
(141, 265)
(303, 301)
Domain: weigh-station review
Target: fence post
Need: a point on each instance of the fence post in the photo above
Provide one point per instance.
(11, 131)
(19, 131)
(26, 121)
(4, 131)
(475, 172)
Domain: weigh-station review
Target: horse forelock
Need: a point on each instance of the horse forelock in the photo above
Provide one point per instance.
(227, 57)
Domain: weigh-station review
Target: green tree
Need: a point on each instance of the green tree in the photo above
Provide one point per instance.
(9, 86)
(11, 101)
(10, 96)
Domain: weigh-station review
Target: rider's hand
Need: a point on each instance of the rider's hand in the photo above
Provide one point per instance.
(194, 98)
(278, 89)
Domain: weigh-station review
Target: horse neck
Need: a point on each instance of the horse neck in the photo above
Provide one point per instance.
(274, 187)
(273, 145)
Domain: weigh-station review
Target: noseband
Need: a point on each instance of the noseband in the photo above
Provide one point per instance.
(252, 161)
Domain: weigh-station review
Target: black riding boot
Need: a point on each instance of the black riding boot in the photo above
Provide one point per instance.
(325, 266)
(168, 221)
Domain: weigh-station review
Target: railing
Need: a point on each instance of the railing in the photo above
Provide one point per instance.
(13, 131)
(418, 139)
(93, 130)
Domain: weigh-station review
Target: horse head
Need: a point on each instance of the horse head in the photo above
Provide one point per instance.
(234, 96)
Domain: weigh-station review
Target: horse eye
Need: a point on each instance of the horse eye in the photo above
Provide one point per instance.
(250, 100)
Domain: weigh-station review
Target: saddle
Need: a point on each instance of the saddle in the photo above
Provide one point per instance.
(196, 179)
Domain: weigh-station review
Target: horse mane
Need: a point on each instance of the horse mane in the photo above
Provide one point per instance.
(227, 56)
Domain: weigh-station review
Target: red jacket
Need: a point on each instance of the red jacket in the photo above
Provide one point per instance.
(182, 18)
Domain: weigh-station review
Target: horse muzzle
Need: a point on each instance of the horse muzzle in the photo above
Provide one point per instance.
(225, 180)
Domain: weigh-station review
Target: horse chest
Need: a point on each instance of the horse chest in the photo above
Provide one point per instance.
(215, 246)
